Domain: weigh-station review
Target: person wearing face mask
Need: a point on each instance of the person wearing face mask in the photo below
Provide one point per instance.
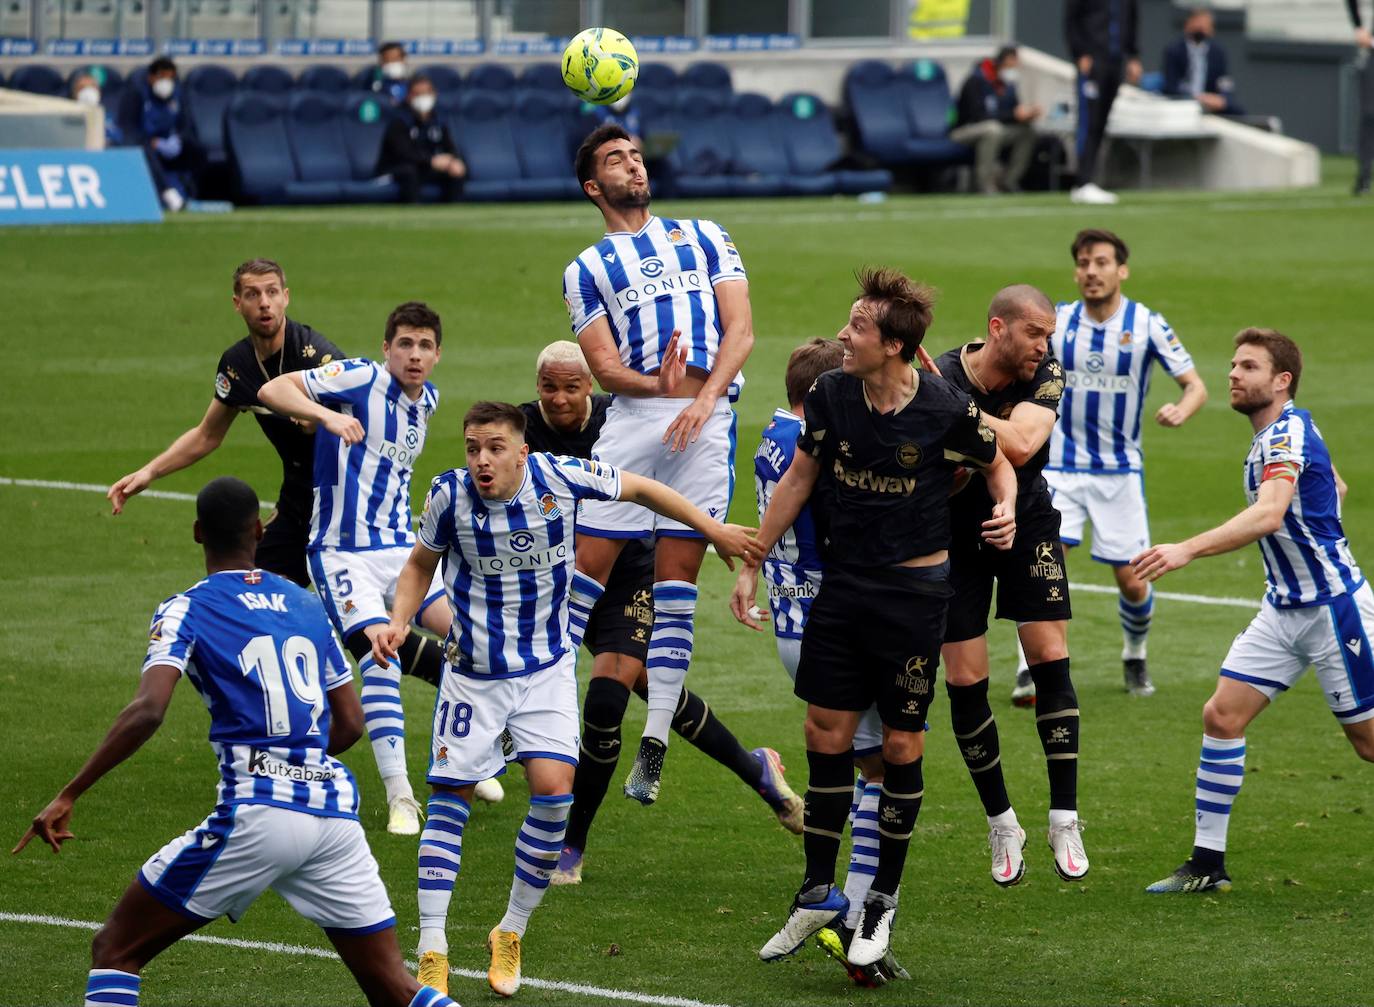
(86, 91)
(391, 75)
(152, 115)
(993, 119)
(418, 148)
(1195, 66)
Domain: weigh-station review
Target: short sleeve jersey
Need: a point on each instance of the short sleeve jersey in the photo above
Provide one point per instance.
(239, 376)
(1044, 389)
(508, 563)
(792, 568)
(886, 477)
(261, 654)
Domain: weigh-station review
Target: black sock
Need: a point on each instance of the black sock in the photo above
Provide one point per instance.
(602, 712)
(975, 731)
(900, 803)
(1208, 860)
(695, 722)
(1056, 719)
(421, 658)
(829, 792)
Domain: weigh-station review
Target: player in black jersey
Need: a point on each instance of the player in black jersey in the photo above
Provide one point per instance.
(566, 419)
(878, 458)
(1017, 384)
(274, 345)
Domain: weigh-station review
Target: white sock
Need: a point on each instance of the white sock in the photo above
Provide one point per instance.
(1060, 816)
(1006, 820)
(386, 722)
(670, 652)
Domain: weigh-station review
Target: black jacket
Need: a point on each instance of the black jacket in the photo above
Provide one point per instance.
(1177, 71)
(410, 142)
(984, 96)
(1102, 29)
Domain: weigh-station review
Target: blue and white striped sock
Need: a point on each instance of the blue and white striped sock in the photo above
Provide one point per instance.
(859, 784)
(863, 856)
(583, 594)
(1220, 773)
(537, 846)
(1135, 625)
(105, 987)
(441, 857)
(386, 724)
(670, 652)
(428, 996)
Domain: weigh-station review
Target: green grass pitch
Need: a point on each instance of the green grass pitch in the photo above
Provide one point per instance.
(112, 335)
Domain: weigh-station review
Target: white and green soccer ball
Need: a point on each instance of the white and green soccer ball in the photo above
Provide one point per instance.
(600, 65)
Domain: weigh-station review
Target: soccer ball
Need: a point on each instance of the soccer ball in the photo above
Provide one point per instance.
(600, 65)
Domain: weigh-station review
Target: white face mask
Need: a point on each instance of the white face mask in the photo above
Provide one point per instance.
(394, 70)
(423, 103)
(1010, 76)
(163, 87)
(89, 95)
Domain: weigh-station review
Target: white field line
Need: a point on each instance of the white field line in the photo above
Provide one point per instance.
(1196, 599)
(299, 949)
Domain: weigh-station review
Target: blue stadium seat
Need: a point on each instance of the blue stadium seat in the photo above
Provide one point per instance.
(813, 150)
(701, 160)
(540, 127)
(875, 99)
(38, 78)
(208, 89)
(446, 79)
(758, 162)
(903, 116)
(324, 170)
(929, 108)
(363, 120)
(708, 76)
(491, 77)
(107, 77)
(324, 77)
(656, 77)
(481, 129)
(547, 77)
(267, 78)
(259, 150)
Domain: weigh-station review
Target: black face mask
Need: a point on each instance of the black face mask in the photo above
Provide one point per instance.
(1198, 37)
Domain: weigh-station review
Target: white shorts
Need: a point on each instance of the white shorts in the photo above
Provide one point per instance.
(358, 588)
(1278, 645)
(632, 439)
(470, 712)
(1113, 504)
(321, 866)
(868, 736)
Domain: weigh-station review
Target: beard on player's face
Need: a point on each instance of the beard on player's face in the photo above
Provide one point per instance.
(627, 196)
(1248, 401)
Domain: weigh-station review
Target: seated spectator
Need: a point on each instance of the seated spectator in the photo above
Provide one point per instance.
(418, 149)
(391, 74)
(992, 118)
(86, 91)
(151, 115)
(1195, 66)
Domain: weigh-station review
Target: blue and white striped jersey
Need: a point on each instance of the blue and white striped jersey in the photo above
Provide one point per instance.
(362, 492)
(260, 652)
(508, 563)
(1307, 561)
(792, 569)
(1106, 381)
(653, 282)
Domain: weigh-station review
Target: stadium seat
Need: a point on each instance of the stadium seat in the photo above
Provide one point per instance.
(267, 79)
(813, 150)
(259, 150)
(208, 89)
(324, 170)
(540, 127)
(363, 120)
(929, 107)
(546, 77)
(656, 77)
(107, 77)
(491, 77)
(481, 129)
(708, 76)
(701, 161)
(324, 77)
(758, 161)
(903, 117)
(446, 79)
(362, 80)
(38, 78)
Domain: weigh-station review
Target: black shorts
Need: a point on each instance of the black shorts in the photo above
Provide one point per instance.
(1031, 582)
(873, 636)
(286, 534)
(623, 619)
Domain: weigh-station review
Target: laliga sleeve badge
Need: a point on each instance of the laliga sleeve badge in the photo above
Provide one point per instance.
(221, 385)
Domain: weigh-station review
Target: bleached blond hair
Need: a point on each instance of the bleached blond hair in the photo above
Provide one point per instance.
(564, 351)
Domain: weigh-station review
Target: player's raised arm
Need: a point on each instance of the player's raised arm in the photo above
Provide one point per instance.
(186, 450)
(598, 346)
(1024, 432)
(135, 724)
(999, 530)
(729, 539)
(1261, 518)
(285, 394)
(411, 585)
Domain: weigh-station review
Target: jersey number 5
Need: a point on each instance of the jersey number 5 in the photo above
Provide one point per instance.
(302, 674)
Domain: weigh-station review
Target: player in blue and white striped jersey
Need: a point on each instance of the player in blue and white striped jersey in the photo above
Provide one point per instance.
(1108, 344)
(259, 651)
(504, 530)
(372, 422)
(661, 310)
(1318, 609)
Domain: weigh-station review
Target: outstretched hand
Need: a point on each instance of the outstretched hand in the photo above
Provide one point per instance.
(736, 540)
(50, 825)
